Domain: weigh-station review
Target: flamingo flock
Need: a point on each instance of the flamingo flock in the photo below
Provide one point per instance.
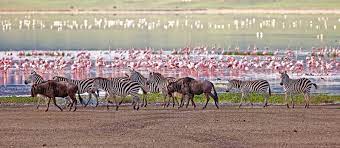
(319, 24)
(321, 61)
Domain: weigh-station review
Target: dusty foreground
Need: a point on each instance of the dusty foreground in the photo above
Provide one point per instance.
(275, 126)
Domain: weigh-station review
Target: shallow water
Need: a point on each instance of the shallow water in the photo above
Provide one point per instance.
(168, 31)
(98, 32)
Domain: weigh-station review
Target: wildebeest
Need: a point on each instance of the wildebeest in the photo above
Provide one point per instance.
(189, 87)
(52, 89)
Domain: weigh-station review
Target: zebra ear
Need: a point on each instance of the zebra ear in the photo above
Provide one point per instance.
(285, 72)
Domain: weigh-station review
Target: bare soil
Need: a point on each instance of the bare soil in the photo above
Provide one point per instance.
(276, 126)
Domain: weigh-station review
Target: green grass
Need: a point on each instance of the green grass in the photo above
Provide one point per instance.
(164, 4)
(223, 98)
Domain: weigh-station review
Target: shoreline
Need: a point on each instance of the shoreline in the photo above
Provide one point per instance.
(177, 11)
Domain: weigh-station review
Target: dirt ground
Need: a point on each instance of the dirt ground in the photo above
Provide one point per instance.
(276, 126)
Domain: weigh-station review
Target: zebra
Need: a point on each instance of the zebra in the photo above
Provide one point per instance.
(147, 87)
(246, 87)
(161, 83)
(84, 86)
(124, 78)
(117, 87)
(35, 78)
(291, 86)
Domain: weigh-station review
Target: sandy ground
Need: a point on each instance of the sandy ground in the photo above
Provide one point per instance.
(276, 126)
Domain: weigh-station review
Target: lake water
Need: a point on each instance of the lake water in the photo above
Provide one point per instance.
(102, 32)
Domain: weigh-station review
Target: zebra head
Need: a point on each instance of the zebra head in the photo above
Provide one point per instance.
(34, 78)
(284, 78)
(154, 78)
(233, 84)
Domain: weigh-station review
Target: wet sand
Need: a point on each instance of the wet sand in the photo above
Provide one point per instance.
(276, 126)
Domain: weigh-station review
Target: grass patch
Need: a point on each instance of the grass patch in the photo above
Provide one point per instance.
(223, 98)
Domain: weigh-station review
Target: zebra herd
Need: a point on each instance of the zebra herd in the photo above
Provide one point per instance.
(138, 86)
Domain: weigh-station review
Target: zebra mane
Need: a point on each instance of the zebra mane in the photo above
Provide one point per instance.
(236, 83)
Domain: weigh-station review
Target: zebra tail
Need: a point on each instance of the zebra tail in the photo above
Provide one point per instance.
(215, 94)
(316, 87)
(270, 91)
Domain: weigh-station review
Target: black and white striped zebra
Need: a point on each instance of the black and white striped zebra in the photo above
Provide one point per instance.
(296, 86)
(35, 79)
(84, 86)
(247, 87)
(124, 78)
(117, 87)
(161, 83)
(147, 87)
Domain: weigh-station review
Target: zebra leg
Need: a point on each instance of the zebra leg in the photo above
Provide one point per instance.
(192, 102)
(208, 98)
(146, 99)
(107, 101)
(38, 101)
(48, 104)
(308, 100)
(292, 100)
(88, 101)
(120, 102)
(306, 97)
(97, 99)
(173, 100)
(266, 96)
(242, 97)
(286, 96)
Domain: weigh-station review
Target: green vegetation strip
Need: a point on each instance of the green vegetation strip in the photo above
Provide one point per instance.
(223, 98)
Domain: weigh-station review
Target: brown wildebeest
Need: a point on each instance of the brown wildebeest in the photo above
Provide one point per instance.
(52, 89)
(189, 87)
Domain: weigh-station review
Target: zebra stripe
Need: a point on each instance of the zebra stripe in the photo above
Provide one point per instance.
(161, 83)
(247, 87)
(296, 86)
(84, 86)
(117, 87)
(34, 78)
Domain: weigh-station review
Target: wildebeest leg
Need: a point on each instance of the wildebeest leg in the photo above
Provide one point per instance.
(215, 100)
(173, 101)
(188, 97)
(48, 104)
(208, 98)
(192, 102)
(182, 101)
(74, 101)
(55, 103)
